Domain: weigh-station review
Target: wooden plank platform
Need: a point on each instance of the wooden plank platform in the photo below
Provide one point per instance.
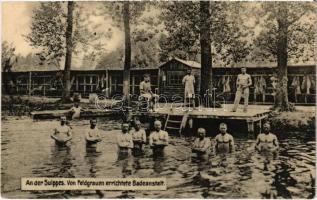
(210, 113)
(255, 114)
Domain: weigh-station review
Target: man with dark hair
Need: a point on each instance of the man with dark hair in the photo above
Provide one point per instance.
(188, 82)
(158, 139)
(124, 141)
(201, 145)
(224, 142)
(146, 91)
(138, 136)
(92, 134)
(244, 81)
(267, 141)
(62, 134)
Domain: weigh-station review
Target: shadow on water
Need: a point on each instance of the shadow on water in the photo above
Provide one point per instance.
(243, 174)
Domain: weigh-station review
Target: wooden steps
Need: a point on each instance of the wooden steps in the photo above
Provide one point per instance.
(175, 123)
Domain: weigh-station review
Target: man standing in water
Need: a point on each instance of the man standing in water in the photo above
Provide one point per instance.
(158, 139)
(62, 134)
(138, 136)
(189, 81)
(124, 141)
(224, 142)
(267, 141)
(201, 145)
(92, 134)
(244, 81)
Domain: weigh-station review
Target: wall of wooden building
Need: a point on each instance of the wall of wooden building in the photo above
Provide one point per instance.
(168, 81)
(172, 74)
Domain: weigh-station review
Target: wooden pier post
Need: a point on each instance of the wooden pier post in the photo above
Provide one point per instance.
(30, 84)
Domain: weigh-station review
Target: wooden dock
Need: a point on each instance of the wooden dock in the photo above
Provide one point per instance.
(255, 115)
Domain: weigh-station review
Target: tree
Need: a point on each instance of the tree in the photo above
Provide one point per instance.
(287, 34)
(127, 52)
(128, 12)
(205, 46)
(187, 34)
(58, 30)
(8, 60)
(69, 49)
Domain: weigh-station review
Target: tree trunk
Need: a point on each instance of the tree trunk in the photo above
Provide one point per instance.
(281, 100)
(205, 45)
(69, 50)
(127, 60)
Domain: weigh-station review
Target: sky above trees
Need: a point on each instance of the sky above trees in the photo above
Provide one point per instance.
(17, 18)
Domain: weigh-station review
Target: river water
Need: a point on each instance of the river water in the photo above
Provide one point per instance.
(28, 151)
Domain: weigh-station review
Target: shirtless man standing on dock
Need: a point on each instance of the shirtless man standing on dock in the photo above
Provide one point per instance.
(267, 141)
(124, 141)
(244, 81)
(62, 134)
(224, 142)
(158, 139)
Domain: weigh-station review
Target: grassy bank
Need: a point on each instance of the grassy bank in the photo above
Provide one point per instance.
(23, 105)
(294, 122)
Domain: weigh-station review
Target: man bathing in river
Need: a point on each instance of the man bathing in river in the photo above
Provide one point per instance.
(201, 145)
(224, 142)
(124, 141)
(62, 134)
(138, 136)
(92, 134)
(158, 139)
(267, 141)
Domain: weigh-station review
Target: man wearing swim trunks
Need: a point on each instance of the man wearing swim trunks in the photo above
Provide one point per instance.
(224, 142)
(244, 81)
(189, 81)
(62, 134)
(266, 141)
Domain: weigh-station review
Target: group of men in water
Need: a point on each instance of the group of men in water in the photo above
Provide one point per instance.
(132, 138)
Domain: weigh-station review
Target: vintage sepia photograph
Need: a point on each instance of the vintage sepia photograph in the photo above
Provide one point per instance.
(158, 99)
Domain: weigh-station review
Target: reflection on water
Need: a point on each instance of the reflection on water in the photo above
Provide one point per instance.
(28, 151)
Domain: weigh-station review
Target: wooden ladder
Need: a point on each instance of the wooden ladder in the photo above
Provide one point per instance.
(175, 123)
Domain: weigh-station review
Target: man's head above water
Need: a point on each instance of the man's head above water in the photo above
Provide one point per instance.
(93, 123)
(223, 128)
(201, 132)
(243, 70)
(157, 125)
(63, 120)
(137, 125)
(266, 127)
(125, 127)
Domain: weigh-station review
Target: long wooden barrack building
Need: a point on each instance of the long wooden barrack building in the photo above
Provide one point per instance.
(166, 79)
